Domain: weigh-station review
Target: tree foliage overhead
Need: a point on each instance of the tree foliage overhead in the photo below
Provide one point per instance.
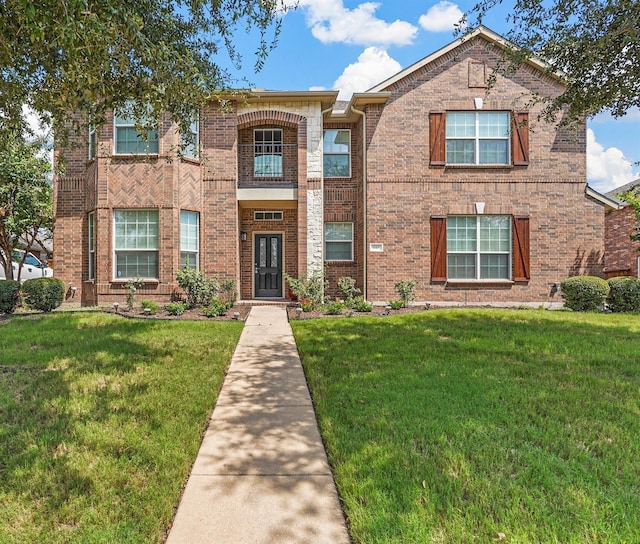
(26, 198)
(87, 56)
(594, 44)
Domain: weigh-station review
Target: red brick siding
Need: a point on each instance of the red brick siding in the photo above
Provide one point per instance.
(621, 258)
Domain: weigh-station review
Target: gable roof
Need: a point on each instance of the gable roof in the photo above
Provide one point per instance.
(481, 31)
(607, 200)
(622, 189)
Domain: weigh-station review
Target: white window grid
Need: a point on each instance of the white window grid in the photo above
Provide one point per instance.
(481, 133)
(338, 241)
(136, 234)
(189, 238)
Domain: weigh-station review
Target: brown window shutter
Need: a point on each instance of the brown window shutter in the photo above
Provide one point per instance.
(438, 249)
(437, 149)
(520, 138)
(521, 263)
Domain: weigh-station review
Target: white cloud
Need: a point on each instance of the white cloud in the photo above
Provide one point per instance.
(441, 18)
(373, 66)
(331, 22)
(606, 168)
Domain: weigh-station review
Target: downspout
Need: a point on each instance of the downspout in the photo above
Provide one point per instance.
(364, 199)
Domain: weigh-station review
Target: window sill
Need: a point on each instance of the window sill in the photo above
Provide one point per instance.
(145, 281)
(136, 156)
(479, 166)
(480, 283)
(190, 160)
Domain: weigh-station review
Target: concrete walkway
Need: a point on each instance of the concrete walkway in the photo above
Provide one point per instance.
(261, 475)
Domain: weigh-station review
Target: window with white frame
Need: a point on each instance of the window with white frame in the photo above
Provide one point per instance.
(92, 246)
(479, 247)
(92, 142)
(478, 137)
(337, 153)
(136, 244)
(338, 241)
(267, 160)
(189, 239)
(127, 138)
(190, 141)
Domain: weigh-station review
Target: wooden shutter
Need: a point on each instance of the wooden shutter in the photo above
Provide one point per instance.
(438, 249)
(437, 146)
(520, 138)
(521, 264)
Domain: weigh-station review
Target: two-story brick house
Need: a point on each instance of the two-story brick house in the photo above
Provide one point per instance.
(423, 177)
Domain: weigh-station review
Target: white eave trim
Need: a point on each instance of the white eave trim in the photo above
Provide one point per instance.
(607, 201)
(267, 194)
(482, 31)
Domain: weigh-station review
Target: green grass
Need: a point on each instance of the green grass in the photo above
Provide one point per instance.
(100, 420)
(481, 425)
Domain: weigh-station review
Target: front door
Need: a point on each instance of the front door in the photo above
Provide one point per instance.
(268, 265)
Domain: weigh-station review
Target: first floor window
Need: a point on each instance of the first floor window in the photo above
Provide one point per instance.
(128, 140)
(338, 241)
(479, 247)
(92, 246)
(189, 222)
(136, 244)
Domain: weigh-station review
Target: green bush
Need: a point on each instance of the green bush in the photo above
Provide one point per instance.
(333, 308)
(43, 294)
(405, 289)
(624, 294)
(216, 307)
(198, 288)
(176, 308)
(584, 293)
(309, 289)
(396, 304)
(359, 304)
(348, 289)
(9, 296)
(228, 291)
(151, 305)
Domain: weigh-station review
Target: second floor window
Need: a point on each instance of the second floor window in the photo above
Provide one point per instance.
(190, 141)
(127, 138)
(267, 161)
(478, 137)
(92, 142)
(337, 153)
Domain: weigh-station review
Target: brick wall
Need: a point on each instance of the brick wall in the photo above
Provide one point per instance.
(622, 253)
(404, 190)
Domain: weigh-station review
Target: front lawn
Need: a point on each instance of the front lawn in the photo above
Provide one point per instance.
(100, 420)
(481, 426)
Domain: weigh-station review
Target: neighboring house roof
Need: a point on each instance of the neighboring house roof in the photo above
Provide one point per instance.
(607, 199)
(481, 31)
(622, 189)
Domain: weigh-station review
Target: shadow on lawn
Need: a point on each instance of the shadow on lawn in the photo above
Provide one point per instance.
(44, 375)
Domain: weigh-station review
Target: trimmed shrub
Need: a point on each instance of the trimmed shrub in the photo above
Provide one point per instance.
(199, 288)
(216, 307)
(333, 308)
(624, 294)
(9, 296)
(405, 288)
(348, 289)
(151, 305)
(43, 294)
(397, 304)
(176, 308)
(361, 305)
(584, 293)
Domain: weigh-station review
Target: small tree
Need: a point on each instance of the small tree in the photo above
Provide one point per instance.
(632, 197)
(26, 200)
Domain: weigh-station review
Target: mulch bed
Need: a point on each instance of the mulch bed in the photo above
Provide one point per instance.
(193, 314)
(379, 311)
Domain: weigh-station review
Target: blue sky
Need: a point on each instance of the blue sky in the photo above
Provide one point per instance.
(350, 45)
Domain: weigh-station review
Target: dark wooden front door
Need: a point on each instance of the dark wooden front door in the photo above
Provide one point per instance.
(268, 265)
